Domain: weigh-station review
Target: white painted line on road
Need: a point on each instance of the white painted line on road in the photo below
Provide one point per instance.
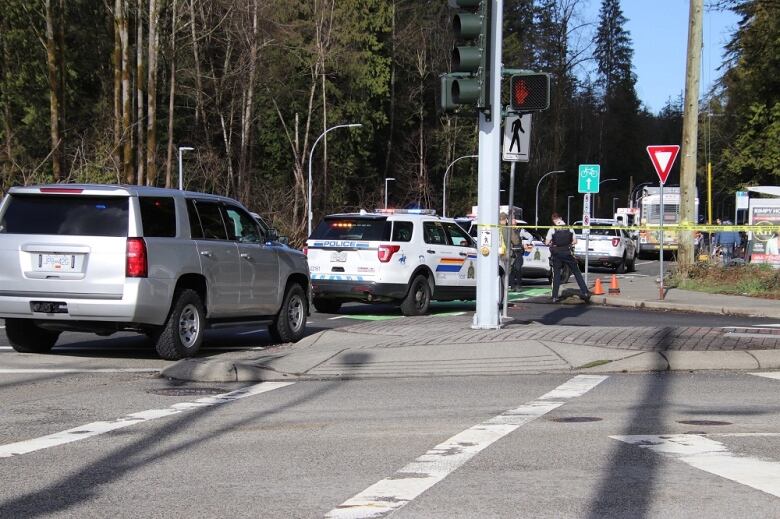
(388, 495)
(769, 374)
(337, 317)
(96, 428)
(713, 457)
(6, 348)
(13, 371)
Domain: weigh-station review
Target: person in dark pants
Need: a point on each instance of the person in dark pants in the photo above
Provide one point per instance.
(560, 242)
(728, 241)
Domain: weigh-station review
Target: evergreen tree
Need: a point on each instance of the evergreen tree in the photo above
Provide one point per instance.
(619, 126)
(751, 95)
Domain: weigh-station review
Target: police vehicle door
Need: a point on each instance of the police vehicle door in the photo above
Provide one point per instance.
(463, 248)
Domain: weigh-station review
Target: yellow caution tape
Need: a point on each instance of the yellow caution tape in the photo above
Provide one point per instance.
(760, 228)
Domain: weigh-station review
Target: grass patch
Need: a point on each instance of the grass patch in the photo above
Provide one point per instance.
(744, 280)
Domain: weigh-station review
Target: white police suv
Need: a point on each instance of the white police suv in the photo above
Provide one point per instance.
(409, 257)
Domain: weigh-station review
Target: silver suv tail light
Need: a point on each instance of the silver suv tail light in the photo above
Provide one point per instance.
(136, 265)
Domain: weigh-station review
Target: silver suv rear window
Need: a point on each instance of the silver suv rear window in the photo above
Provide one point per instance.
(66, 215)
(364, 229)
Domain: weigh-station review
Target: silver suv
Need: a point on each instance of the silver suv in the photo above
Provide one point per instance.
(166, 263)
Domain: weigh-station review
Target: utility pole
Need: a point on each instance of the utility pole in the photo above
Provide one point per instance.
(690, 134)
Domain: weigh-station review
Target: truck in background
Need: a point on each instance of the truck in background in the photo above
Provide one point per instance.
(648, 203)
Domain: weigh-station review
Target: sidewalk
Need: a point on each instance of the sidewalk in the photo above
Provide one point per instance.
(448, 346)
(643, 292)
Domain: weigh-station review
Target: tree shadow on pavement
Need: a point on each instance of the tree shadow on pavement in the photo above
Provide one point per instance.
(84, 484)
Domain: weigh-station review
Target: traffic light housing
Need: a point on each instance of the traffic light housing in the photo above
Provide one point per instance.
(529, 92)
(469, 82)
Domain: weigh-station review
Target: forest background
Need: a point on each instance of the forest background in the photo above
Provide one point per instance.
(107, 91)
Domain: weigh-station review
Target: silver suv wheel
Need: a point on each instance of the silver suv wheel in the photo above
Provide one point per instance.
(189, 325)
(290, 322)
(296, 312)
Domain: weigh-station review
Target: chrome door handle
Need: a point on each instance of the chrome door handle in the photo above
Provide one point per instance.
(206, 253)
(244, 255)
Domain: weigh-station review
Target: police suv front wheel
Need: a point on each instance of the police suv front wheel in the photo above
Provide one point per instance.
(418, 299)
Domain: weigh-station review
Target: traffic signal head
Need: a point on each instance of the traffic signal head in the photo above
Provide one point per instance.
(468, 84)
(529, 92)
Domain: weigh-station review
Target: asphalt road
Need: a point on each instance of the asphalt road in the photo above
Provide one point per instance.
(91, 430)
(649, 445)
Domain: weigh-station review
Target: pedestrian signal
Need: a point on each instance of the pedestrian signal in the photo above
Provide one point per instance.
(529, 92)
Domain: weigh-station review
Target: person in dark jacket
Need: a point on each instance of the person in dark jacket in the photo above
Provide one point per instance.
(727, 241)
(560, 242)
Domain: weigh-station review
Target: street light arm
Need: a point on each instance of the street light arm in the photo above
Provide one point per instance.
(444, 184)
(309, 212)
(536, 216)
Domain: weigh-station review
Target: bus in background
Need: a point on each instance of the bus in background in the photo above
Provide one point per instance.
(650, 214)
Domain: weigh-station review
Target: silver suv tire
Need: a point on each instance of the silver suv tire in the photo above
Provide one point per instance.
(25, 337)
(290, 322)
(182, 334)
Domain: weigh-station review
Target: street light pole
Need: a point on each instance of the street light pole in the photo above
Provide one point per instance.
(310, 213)
(182, 149)
(595, 208)
(387, 179)
(444, 185)
(536, 207)
(614, 199)
(568, 208)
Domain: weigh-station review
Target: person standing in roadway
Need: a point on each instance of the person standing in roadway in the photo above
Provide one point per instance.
(561, 242)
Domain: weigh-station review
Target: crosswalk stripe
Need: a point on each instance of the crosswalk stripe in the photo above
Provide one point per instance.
(95, 428)
(390, 494)
(768, 374)
(714, 457)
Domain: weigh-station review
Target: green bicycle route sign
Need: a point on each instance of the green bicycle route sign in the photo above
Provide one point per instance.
(588, 178)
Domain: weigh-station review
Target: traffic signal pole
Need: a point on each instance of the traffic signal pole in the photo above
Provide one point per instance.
(487, 314)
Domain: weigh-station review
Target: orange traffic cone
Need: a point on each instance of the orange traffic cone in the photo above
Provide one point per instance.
(597, 290)
(613, 286)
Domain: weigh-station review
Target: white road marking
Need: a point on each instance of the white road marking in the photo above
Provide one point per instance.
(388, 495)
(96, 428)
(337, 317)
(13, 371)
(769, 374)
(6, 348)
(713, 457)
